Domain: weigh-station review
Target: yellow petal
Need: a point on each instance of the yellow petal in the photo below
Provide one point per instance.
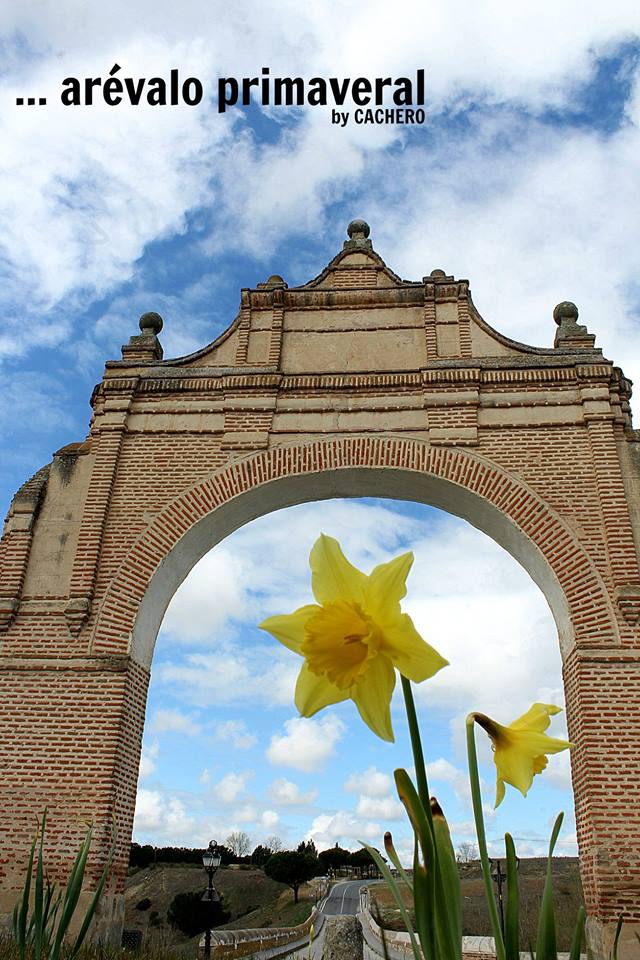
(313, 692)
(372, 696)
(386, 585)
(332, 576)
(413, 656)
(500, 791)
(535, 744)
(520, 754)
(539, 764)
(288, 628)
(515, 767)
(537, 717)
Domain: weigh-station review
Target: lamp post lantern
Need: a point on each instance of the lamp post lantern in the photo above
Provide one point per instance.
(211, 861)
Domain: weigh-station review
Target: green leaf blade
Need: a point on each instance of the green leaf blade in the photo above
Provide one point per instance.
(546, 943)
(512, 913)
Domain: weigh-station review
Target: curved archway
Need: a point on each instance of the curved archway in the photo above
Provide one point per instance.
(458, 482)
(357, 382)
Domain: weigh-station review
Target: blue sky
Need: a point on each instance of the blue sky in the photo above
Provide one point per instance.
(223, 746)
(524, 178)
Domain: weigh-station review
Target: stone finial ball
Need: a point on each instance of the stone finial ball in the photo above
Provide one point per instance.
(565, 311)
(274, 279)
(358, 227)
(151, 323)
(437, 273)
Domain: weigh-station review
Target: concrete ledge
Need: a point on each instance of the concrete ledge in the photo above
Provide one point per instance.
(232, 944)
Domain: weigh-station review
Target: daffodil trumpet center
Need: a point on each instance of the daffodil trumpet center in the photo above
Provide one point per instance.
(339, 642)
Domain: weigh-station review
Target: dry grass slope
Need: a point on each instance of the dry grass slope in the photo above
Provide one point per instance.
(475, 922)
(253, 899)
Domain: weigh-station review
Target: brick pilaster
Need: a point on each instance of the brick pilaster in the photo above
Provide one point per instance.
(108, 431)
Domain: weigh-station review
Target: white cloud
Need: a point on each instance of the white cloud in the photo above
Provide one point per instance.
(538, 219)
(269, 819)
(173, 721)
(86, 189)
(480, 609)
(164, 816)
(231, 787)
(384, 808)
(257, 674)
(371, 782)
(149, 809)
(442, 771)
(212, 594)
(286, 793)
(456, 568)
(247, 813)
(237, 733)
(343, 828)
(558, 772)
(86, 185)
(375, 800)
(306, 744)
(459, 580)
(148, 760)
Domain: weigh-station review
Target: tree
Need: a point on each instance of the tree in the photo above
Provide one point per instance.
(466, 852)
(308, 846)
(334, 858)
(292, 868)
(239, 842)
(144, 856)
(141, 856)
(226, 855)
(260, 855)
(274, 843)
(362, 861)
(191, 914)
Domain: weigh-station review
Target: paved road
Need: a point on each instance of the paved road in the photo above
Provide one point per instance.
(343, 898)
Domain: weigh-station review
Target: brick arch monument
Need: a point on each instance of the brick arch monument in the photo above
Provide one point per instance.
(357, 383)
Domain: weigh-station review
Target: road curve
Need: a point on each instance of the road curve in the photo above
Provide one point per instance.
(344, 898)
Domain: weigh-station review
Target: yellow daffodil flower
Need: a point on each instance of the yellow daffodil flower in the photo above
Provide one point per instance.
(354, 636)
(519, 749)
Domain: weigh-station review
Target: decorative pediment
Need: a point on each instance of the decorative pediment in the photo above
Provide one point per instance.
(357, 266)
(359, 316)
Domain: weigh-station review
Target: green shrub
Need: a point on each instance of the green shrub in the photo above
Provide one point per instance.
(191, 914)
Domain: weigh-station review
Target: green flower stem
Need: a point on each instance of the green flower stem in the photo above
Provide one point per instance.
(476, 798)
(418, 756)
(424, 892)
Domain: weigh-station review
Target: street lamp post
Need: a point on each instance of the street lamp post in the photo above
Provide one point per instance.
(498, 878)
(210, 861)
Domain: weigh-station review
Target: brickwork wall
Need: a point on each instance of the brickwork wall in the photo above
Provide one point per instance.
(529, 436)
(603, 698)
(68, 721)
